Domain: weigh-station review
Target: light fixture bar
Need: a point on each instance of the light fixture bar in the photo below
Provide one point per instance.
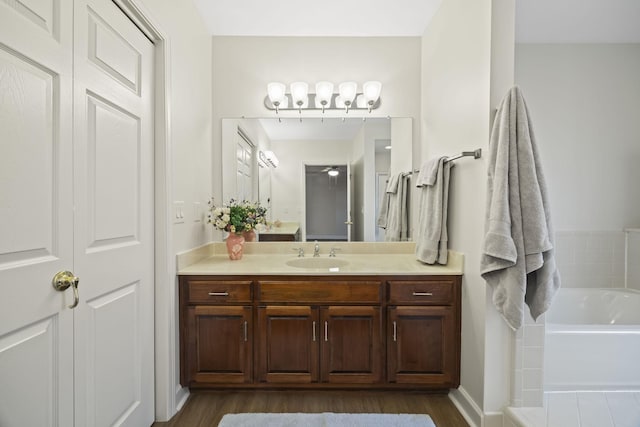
(289, 105)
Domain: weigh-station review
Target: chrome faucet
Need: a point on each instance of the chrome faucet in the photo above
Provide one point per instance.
(332, 252)
(300, 251)
(316, 249)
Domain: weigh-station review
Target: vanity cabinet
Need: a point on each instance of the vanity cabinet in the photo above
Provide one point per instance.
(320, 341)
(423, 320)
(216, 332)
(320, 331)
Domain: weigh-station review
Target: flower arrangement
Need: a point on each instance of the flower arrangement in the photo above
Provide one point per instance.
(236, 216)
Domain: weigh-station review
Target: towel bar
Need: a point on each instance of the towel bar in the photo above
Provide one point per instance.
(475, 153)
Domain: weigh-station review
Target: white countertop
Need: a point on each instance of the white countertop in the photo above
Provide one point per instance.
(284, 228)
(264, 258)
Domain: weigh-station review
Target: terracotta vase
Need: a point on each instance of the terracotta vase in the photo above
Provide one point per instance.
(235, 246)
(249, 236)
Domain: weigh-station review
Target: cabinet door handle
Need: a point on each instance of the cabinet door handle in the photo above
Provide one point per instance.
(313, 329)
(218, 294)
(395, 331)
(326, 330)
(422, 294)
(245, 331)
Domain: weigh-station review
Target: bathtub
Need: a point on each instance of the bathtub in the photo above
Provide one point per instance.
(592, 340)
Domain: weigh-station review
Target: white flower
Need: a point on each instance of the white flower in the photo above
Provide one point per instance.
(226, 218)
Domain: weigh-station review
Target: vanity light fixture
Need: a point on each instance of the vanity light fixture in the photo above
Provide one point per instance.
(348, 92)
(269, 158)
(324, 94)
(299, 98)
(299, 95)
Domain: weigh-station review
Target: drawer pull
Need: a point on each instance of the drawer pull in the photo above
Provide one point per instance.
(218, 294)
(326, 330)
(245, 331)
(422, 294)
(313, 329)
(395, 331)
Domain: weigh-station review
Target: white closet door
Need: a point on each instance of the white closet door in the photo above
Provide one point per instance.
(113, 183)
(36, 213)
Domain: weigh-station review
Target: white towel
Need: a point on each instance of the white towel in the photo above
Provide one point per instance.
(431, 235)
(398, 209)
(518, 258)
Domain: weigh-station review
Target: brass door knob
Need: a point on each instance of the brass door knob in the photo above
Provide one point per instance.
(61, 282)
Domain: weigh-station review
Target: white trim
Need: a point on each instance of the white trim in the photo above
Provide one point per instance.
(167, 402)
(493, 419)
(470, 411)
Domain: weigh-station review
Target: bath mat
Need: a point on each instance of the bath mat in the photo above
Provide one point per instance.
(326, 419)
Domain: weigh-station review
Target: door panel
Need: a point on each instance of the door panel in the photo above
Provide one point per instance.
(351, 345)
(113, 147)
(114, 352)
(288, 340)
(29, 371)
(36, 207)
(113, 191)
(421, 348)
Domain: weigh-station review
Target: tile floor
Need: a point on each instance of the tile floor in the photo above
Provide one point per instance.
(582, 409)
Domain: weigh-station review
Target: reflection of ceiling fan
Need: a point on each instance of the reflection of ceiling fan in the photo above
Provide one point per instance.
(331, 170)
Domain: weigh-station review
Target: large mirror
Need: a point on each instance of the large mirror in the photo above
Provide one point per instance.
(320, 179)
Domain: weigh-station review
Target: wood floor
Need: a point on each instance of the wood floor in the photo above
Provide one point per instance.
(206, 408)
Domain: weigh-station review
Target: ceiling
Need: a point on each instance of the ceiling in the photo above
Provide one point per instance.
(578, 21)
(537, 21)
(345, 18)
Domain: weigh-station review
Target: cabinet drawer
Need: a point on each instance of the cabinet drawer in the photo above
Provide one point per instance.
(434, 292)
(219, 291)
(335, 292)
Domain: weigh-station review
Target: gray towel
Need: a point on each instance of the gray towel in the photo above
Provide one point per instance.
(397, 214)
(391, 188)
(431, 235)
(518, 257)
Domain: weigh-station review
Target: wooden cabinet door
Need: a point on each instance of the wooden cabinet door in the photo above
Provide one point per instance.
(288, 344)
(351, 345)
(220, 342)
(421, 346)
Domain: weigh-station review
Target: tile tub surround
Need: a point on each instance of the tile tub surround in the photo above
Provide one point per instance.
(591, 259)
(271, 258)
(633, 255)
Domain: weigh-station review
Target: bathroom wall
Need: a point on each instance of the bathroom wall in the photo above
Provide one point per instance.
(242, 67)
(585, 103)
(467, 41)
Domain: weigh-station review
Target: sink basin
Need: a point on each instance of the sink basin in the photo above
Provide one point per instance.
(317, 263)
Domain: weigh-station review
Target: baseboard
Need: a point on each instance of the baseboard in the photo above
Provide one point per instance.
(471, 412)
(182, 394)
(466, 406)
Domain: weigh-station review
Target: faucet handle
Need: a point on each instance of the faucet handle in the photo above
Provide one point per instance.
(300, 251)
(332, 251)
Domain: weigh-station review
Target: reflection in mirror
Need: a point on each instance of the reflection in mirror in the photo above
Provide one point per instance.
(345, 206)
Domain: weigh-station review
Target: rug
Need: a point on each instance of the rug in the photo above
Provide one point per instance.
(327, 419)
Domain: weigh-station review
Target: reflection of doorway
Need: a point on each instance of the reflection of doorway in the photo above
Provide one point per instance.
(326, 202)
(244, 168)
